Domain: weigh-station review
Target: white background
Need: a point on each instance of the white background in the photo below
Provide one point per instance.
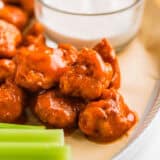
(151, 149)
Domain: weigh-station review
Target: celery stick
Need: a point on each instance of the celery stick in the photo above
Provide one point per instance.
(34, 151)
(29, 135)
(18, 126)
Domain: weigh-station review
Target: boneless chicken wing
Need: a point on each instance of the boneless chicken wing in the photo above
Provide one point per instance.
(107, 119)
(87, 77)
(11, 102)
(107, 53)
(7, 69)
(27, 5)
(55, 110)
(10, 37)
(70, 53)
(40, 67)
(34, 36)
(13, 15)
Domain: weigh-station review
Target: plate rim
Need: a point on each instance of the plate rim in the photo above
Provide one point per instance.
(150, 114)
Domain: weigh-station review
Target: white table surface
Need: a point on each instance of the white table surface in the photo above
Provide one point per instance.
(151, 149)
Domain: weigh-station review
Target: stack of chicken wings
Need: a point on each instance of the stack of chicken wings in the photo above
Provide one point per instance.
(72, 88)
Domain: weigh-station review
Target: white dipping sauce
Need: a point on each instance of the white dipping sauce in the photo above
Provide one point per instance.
(81, 30)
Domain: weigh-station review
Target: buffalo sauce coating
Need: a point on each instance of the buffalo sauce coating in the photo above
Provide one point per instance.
(87, 77)
(88, 74)
(34, 36)
(107, 119)
(70, 53)
(107, 53)
(13, 15)
(7, 69)
(11, 102)
(27, 5)
(55, 110)
(10, 38)
(39, 69)
(38, 66)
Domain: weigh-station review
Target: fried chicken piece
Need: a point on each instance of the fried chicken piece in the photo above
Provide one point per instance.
(70, 52)
(106, 51)
(107, 119)
(55, 110)
(13, 15)
(87, 77)
(10, 38)
(34, 37)
(7, 69)
(39, 69)
(11, 102)
(38, 66)
(27, 5)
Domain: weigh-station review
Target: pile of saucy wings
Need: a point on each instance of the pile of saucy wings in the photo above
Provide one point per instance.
(72, 88)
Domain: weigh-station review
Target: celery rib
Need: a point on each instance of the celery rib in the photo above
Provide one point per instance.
(34, 151)
(19, 126)
(29, 135)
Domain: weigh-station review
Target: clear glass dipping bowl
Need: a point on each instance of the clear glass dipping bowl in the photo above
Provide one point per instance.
(85, 22)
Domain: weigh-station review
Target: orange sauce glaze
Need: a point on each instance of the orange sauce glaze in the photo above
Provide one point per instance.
(72, 88)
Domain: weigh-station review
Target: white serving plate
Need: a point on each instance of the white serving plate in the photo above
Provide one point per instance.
(140, 67)
(141, 90)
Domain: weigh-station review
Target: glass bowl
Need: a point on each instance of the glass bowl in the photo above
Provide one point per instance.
(85, 22)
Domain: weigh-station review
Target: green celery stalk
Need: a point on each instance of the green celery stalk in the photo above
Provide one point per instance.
(29, 135)
(18, 126)
(34, 151)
